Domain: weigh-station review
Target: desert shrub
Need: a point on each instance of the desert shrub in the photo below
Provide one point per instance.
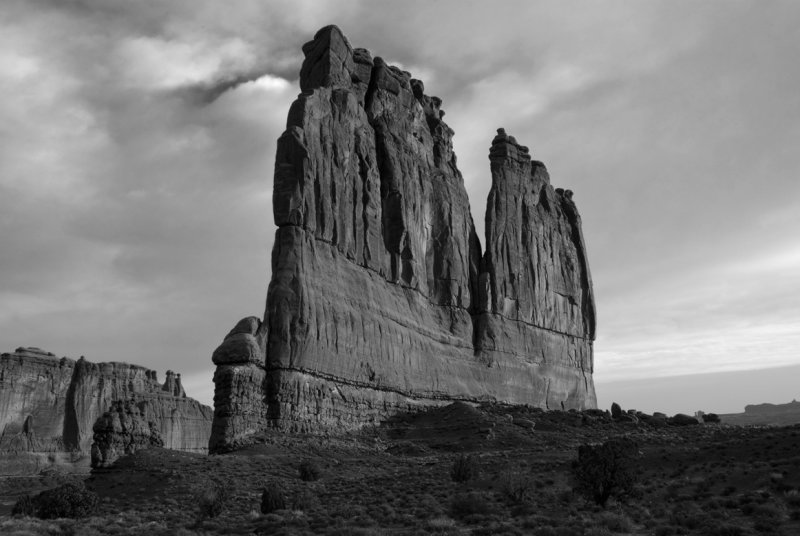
(464, 468)
(727, 529)
(309, 471)
(615, 522)
(211, 501)
(559, 531)
(467, 504)
(768, 510)
(303, 500)
(665, 530)
(24, 506)
(441, 525)
(605, 470)
(67, 500)
(597, 531)
(792, 498)
(616, 410)
(516, 487)
(690, 516)
(272, 499)
(767, 525)
(711, 418)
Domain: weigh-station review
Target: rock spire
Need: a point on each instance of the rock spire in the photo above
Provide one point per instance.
(381, 298)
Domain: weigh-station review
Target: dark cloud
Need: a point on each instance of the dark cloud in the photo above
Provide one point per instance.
(208, 91)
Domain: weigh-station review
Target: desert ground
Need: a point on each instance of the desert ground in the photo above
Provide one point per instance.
(397, 478)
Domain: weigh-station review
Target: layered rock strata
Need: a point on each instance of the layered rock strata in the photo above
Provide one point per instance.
(49, 406)
(381, 297)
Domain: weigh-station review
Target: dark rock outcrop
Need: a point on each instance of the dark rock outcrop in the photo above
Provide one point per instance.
(125, 428)
(240, 408)
(381, 298)
(681, 419)
(49, 406)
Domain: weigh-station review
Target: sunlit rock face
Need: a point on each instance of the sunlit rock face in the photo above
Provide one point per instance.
(382, 299)
(49, 407)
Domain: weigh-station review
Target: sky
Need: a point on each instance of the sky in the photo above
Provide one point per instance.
(137, 142)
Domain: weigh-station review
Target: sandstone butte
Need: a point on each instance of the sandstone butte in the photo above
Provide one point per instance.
(60, 412)
(382, 299)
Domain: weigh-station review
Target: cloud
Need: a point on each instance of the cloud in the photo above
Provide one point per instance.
(137, 145)
(135, 181)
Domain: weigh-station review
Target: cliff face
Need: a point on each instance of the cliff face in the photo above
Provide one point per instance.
(381, 298)
(49, 406)
(33, 387)
(535, 300)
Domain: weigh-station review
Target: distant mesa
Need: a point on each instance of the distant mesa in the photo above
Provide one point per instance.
(382, 298)
(68, 413)
(766, 414)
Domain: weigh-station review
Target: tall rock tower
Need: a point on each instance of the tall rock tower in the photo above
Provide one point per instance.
(381, 299)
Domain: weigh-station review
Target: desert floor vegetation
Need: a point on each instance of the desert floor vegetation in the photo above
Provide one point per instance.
(708, 479)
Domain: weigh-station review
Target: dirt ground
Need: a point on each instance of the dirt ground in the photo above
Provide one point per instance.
(396, 479)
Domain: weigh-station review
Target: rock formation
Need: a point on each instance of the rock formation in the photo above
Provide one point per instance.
(766, 414)
(381, 298)
(125, 428)
(49, 406)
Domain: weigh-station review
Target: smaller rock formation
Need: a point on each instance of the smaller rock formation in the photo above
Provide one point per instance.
(49, 406)
(240, 380)
(173, 385)
(125, 428)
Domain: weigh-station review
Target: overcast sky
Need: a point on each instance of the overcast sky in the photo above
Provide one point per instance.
(137, 144)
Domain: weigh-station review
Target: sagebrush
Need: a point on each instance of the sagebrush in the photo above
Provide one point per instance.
(309, 471)
(67, 500)
(605, 470)
(211, 501)
(464, 468)
(272, 499)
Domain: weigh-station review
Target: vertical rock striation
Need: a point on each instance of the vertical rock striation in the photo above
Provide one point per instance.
(536, 302)
(49, 407)
(381, 299)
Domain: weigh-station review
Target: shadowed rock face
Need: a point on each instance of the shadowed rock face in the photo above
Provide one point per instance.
(381, 299)
(49, 406)
(126, 427)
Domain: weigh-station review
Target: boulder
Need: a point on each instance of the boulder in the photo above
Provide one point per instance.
(524, 423)
(681, 419)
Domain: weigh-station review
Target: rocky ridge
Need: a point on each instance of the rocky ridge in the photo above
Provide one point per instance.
(49, 407)
(382, 299)
(766, 414)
